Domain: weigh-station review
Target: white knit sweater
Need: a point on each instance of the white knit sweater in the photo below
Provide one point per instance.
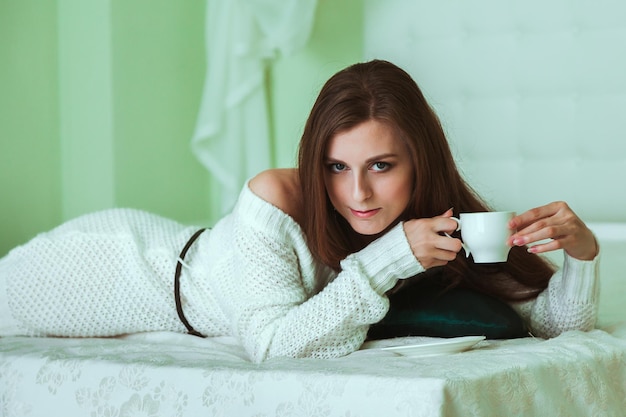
(252, 276)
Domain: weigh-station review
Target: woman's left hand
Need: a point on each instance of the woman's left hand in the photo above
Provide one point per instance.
(558, 222)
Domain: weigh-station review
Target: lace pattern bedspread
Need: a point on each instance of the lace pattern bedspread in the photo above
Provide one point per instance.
(162, 374)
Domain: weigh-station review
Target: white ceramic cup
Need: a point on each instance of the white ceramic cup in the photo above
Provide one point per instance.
(485, 234)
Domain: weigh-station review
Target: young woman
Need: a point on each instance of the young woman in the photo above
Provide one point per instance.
(303, 265)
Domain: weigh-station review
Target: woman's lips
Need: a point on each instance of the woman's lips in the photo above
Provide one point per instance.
(364, 214)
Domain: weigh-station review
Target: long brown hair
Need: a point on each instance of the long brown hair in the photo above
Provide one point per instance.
(379, 90)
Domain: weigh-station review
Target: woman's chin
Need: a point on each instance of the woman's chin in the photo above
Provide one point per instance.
(372, 233)
(368, 231)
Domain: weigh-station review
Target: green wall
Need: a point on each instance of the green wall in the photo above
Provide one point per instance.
(158, 67)
(30, 183)
(336, 42)
(99, 100)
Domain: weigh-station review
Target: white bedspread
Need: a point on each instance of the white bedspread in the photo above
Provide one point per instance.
(575, 374)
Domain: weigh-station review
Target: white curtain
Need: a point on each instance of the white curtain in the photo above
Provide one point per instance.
(232, 137)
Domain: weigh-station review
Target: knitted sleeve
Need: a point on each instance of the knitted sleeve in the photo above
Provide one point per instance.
(273, 307)
(570, 302)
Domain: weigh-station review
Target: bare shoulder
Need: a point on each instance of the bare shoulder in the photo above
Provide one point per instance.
(281, 188)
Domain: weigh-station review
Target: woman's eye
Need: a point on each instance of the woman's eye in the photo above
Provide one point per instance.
(380, 166)
(337, 167)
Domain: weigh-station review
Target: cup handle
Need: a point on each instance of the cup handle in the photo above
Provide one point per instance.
(458, 223)
(458, 227)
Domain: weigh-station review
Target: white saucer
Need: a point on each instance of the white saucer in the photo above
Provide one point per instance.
(435, 346)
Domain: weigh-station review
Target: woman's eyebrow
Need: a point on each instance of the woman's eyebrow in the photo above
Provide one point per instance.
(381, 156)
(368, 160)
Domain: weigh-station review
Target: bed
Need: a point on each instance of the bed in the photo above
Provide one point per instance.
(164, 374)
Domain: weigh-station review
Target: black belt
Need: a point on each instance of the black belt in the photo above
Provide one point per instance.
(179, 265)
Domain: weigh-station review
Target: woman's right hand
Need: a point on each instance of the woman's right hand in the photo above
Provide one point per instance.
(429, 245)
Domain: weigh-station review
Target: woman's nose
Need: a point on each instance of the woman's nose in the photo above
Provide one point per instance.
(362, 190)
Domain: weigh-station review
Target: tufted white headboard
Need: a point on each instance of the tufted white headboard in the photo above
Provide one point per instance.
(532, 94)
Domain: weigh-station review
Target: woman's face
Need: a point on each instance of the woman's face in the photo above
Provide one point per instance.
(368, 176)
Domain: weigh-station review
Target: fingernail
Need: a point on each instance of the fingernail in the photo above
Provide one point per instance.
(518, 241)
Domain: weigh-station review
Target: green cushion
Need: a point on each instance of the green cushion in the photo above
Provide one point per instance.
(426, 311)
